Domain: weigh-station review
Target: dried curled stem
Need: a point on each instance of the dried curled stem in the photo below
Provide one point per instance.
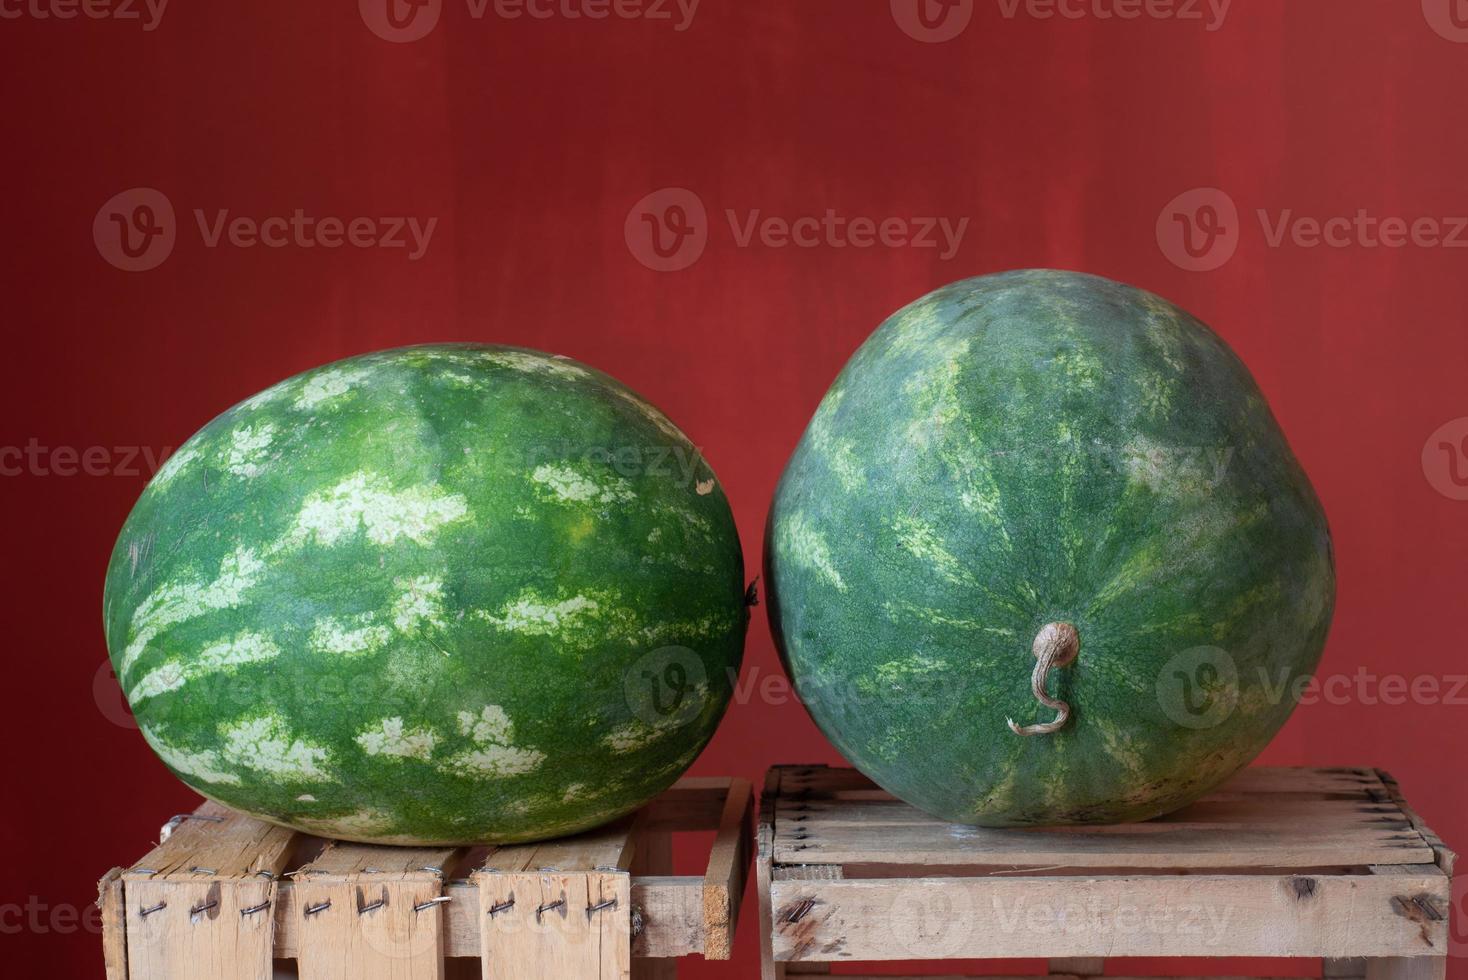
(1056, 645)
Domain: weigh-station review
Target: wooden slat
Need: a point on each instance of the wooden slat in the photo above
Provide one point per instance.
(229, 843)
(545, 926)
(672, 927)
(763, 870)
(653, 857)
(1443, 856)
(1414, 968)
(1149, 915)
(113, 910)
(940, 845)
(791, 967)
(366, 913)
(724, 879)
(198, 885)
(1289, 818)
(199, 922)
(344, 861)
(1425, 910)
(605, 847)
(550, 927)
(693, 803)
(669, 910)
(1215, 813)
(817, 781)
(1077, 966)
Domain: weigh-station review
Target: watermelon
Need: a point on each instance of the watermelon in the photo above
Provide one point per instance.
(1043, 556)
(436, 595)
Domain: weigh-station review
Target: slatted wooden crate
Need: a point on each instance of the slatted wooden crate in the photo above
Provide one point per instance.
(1328, 863)
(225, 897)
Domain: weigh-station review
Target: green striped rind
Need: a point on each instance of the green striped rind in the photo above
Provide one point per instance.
(438, 594)
(1033, 447)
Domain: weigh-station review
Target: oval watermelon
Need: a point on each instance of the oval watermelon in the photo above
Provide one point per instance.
(1043, 556)
(440, 594)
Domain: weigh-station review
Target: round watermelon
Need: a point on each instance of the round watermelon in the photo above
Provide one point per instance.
(440, 594)
(1043, 556)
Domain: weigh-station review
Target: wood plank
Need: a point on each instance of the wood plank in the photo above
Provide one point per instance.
(559, 908)
(675, 927)
(111, 905)
(1182, 847)
(204, 896)
(343, 860)
(817, 781)
(214, 837)
(369, 913)
(1421, 908)
(1444, 856)
(693, 803)
(1308, 780)
(555, 925)
(670, 916)
(1411, 968)
(1234, 915)
(763, 861)
(1077, 966)
(174, 926)
(1221, 813)
(653, 857)
(728, 866)
(1265, 817)
(1052, 976)
(1338, 969)
(610, 846)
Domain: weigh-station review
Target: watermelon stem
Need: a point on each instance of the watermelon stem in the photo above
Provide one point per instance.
(1056, 645)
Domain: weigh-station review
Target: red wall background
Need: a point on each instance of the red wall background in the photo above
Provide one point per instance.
(1061, 139)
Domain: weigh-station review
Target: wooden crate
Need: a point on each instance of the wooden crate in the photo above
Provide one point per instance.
(1328, 863)
(226, 897)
